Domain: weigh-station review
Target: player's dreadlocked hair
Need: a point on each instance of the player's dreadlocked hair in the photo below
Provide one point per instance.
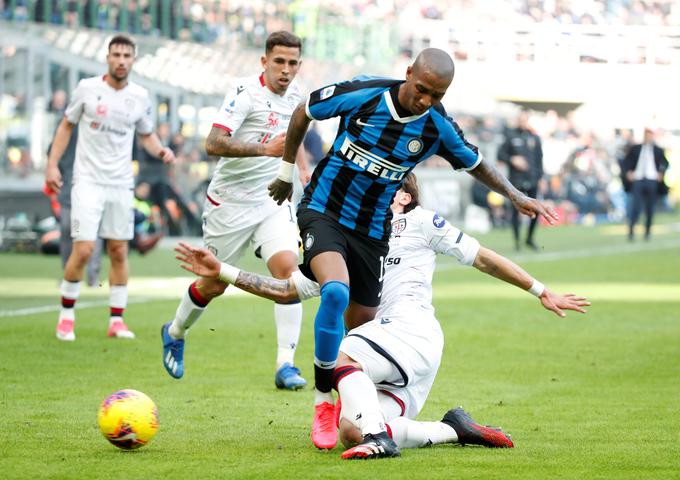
(410, 186)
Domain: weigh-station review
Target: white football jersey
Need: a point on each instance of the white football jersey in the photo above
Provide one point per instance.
(417, 237)
(107, 119)
(251, 113)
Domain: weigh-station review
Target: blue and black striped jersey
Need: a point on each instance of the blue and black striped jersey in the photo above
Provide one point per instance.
(377, 144)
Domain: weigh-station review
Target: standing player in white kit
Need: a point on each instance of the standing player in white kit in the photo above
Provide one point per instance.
(249, 135)
(108, 109)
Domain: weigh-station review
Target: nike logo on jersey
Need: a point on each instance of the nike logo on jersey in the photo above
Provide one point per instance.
(363, 124)
(239, 89)
(384, 321)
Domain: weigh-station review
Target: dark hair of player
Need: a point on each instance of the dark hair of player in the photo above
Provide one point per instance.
(410, 186)
(284, 39)
(122, 40)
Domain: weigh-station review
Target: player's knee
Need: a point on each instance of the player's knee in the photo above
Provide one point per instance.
(335, 296)
(82, 251)
(118, 252)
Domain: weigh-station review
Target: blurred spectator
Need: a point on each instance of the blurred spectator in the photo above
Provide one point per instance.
(521, 151)
(643, 170)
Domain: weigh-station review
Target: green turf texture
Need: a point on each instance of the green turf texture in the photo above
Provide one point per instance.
(594, 396)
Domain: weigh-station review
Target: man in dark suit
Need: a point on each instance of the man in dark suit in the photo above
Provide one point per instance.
(522, 152)
(644, 166)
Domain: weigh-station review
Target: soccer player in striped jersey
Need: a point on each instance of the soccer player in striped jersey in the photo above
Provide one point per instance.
(248, 134)
(386, 128)
(387, 366)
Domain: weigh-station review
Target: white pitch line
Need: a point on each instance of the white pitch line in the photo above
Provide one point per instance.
(55, 308)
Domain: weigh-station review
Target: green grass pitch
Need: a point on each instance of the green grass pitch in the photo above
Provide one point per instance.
(594, 396)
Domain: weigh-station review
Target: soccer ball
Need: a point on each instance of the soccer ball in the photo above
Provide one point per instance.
(128, 419)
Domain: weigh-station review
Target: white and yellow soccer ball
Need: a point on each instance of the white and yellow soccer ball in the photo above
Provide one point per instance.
(128, 419)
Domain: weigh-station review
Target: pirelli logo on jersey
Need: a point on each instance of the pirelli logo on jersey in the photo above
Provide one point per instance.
(372, 163)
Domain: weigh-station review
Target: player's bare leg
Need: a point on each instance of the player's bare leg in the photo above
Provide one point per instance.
(330, 270)
(118, 292)
(288, 318)
(70, 288)
(361, 409)
(190, 308)
(358, 314)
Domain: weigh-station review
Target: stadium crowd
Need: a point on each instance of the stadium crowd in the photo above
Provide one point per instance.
(248, 22)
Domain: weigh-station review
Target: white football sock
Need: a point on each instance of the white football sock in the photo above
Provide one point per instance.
(408, 433)
(321, 397)
(69, 291)
(360, 402)
(118, 298)
(186, 315)
(288, 320)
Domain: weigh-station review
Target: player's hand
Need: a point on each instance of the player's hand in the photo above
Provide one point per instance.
(532, 207)
(199, 261)
(558, 303)
(53, 179)
(520, 163)
(280, 190)
(274, 148)
(167, 155)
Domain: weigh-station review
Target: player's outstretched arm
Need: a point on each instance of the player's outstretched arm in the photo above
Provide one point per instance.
(282, 187)
(486, 173)
(59, 144)
(498, 266)
(202, 262)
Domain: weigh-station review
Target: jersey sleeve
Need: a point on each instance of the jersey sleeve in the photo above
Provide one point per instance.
(234, 110)
(446, 239)
(145, 123)
(75, 107)
(305, 287)
(454, 148)
(339, 98)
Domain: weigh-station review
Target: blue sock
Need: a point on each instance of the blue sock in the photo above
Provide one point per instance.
(329, 328)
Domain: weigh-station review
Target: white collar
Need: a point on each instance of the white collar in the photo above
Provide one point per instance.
(393, 110)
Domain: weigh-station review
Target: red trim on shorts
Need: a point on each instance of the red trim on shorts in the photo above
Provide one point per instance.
(222, 127)
(399, 401)
(212, 201)
(262, 79)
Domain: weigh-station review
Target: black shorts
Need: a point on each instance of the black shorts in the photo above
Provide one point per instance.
(363, 255)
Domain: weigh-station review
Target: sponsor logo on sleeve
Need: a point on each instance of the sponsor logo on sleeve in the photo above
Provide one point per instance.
(438, 221)
(327, 92)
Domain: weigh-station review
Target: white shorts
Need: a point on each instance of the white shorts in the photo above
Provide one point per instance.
(269, 228)
(101, 210)
(401, 355)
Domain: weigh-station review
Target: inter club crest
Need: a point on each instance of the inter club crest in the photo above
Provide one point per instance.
(398, 226)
